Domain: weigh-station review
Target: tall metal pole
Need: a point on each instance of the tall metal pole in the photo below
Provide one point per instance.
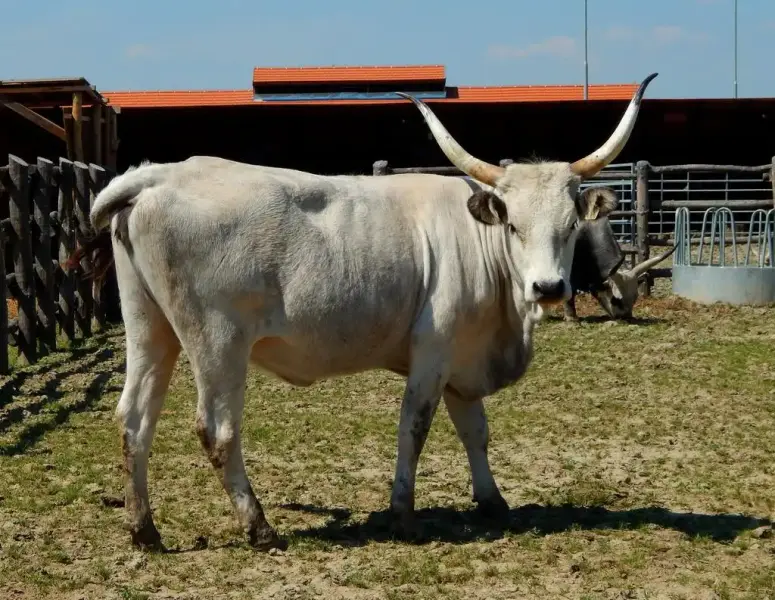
(735, 48)
(586, 61)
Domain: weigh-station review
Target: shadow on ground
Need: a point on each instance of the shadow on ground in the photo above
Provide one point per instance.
(98, 364)
(461, 526)
(599, 319)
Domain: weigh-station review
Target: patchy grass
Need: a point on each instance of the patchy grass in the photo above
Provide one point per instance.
(639, 461)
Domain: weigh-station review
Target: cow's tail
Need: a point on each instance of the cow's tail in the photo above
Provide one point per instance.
(116, 199)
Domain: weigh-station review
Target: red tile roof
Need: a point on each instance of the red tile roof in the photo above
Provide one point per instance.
(543, 93)
(179, 98)
(469, 94)
(264, 75)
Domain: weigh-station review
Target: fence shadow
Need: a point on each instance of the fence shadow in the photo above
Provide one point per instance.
(99, 364)
(10, 384)
(462, 526)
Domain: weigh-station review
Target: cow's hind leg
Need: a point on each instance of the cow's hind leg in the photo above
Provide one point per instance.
(470, 421)
(151, 352)
(220, 367)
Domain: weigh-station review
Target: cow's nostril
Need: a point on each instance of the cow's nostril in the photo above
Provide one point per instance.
(549, 289)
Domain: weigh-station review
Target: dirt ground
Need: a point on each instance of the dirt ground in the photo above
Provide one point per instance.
(638, 459)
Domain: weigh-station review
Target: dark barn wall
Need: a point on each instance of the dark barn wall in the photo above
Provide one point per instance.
(28, 141)
(337, 139)
(348, 139)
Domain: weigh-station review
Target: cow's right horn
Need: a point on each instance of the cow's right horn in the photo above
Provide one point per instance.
(603, 156)
(643, 267)
(480, 170)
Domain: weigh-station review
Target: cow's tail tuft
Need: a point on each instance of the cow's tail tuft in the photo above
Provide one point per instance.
(116, 199)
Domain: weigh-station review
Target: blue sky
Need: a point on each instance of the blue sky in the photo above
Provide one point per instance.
(201, 44)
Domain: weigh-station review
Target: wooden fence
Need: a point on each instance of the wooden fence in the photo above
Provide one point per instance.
(643, 208)
(48, 213)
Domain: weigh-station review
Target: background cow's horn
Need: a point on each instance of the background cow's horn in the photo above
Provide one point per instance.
(603, 156)
(470, 165)
(641, 268)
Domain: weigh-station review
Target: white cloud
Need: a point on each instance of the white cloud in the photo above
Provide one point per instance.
(659, 36)
(139, 51)
(618, 33)
(560, 46)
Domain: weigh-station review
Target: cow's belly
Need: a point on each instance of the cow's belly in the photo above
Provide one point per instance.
(302, 361)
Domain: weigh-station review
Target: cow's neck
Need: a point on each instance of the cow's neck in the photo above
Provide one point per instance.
(520, 316)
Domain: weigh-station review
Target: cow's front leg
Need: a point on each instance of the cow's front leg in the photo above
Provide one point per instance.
(421, 399)
(470, 422)
(569, 310)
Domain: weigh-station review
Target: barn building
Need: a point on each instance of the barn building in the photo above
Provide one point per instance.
(342, 119)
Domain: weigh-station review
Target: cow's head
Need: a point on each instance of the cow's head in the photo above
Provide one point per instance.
(620, 293)
(538, 205)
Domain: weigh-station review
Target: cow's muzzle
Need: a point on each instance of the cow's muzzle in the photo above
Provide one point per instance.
(549, 292)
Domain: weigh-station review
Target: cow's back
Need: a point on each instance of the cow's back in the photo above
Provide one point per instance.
(329, 272)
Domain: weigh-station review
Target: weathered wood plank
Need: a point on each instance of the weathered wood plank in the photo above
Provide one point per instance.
(66, 248)
(19, 210)
(44, 197)
(97, 133)
(709, 168)
(98, 179)
(77, 112)
(33, 117)
(642, 217)
(4, 365)
(83, 295)
(706, 204)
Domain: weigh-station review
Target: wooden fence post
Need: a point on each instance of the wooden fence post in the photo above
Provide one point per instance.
(642, 218)
(380, 167)
(83, 295)
(19, 214)
(97, 178)
(77, 113)
(772, 180)
(66, 246)
(4, 367)
(44, 269)
(96, 117)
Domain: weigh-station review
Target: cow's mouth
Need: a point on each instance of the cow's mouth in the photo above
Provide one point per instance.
(548, 302)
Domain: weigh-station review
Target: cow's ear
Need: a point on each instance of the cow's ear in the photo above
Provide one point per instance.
(596, 202)
(487, 208)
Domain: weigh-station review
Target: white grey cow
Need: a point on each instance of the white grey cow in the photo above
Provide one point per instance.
(308, 276)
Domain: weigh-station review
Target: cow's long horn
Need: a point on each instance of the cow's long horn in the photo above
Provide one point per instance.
(470, 165)
(641, 268)
(603, 156)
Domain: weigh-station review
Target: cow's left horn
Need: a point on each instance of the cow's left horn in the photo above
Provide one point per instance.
(470, 165)
(603, 156)
(641, 268)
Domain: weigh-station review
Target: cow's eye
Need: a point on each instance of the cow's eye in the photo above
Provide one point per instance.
(512, 229)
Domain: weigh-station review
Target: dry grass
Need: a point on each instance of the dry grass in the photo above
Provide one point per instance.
(639, 460)
(12, 306)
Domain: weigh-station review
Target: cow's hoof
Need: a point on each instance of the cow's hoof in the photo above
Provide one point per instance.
(403, 525)
(495, 508)
(265, 538)
(571, 320)
(146, 537)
